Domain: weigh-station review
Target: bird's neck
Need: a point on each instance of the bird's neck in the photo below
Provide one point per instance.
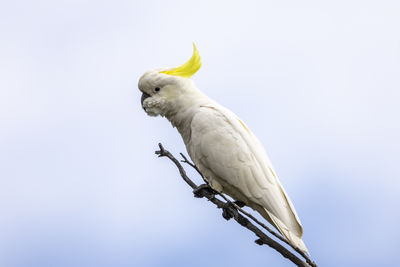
(183, 111)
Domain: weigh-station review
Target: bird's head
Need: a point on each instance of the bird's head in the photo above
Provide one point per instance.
(162, 89)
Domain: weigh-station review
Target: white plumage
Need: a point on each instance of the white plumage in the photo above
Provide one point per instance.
(226, 152)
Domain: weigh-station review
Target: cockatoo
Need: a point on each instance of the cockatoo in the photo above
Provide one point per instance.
(226, 152)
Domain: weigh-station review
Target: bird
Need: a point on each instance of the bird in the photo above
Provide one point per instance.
(230, 157)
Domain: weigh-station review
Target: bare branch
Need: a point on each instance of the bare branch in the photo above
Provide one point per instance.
(280, 237)
(164, 153)
(231, 210)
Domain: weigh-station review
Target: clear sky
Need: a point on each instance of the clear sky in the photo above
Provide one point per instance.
(317, 81)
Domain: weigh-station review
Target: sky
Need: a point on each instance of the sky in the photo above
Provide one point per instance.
(317, 81)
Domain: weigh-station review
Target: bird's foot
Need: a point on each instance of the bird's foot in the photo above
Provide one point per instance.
(203, 190)
(228, 211)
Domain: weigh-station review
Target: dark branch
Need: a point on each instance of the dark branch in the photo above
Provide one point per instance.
(232, 210)
(270, 231)
(164, 153)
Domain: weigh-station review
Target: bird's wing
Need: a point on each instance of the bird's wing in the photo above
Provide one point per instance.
(222, 144)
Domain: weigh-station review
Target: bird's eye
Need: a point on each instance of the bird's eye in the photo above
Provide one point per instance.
(157, 89)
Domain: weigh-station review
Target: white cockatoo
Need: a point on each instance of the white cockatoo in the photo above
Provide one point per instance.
(226, 152)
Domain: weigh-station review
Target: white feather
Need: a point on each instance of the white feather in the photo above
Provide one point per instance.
(233, 161)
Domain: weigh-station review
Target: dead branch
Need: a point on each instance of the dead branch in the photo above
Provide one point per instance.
(232, 210)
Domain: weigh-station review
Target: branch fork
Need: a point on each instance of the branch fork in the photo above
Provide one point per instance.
(234, 210)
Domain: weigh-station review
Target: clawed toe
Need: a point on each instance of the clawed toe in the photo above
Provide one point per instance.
(203, 190)
(228, 211)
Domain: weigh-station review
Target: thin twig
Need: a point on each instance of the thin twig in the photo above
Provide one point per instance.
(185, 160)
(231, 210)
(164, 153)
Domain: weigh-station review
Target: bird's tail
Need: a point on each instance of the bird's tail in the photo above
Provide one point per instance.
(290, 236)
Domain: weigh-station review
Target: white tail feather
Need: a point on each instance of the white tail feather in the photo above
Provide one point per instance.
(289, 235)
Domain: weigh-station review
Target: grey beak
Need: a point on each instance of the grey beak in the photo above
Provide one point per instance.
(144, 96)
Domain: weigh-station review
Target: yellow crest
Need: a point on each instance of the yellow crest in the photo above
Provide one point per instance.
(188, 69)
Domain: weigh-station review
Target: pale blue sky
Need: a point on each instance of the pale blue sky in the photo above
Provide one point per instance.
(317, 82)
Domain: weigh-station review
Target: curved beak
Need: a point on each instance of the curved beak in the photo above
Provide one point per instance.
(144, 96)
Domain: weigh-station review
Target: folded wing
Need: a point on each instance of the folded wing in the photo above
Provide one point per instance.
(222, 146)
